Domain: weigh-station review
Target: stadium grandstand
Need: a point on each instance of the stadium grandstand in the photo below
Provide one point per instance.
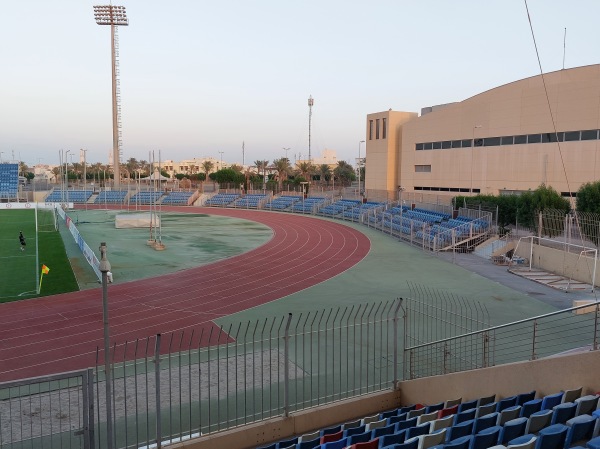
(9, 182)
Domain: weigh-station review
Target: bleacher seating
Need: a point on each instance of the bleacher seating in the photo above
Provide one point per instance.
(250, 201)
(146, 197)
(111, 197)
(9, 181)
(308, 205)
(177, 198)
(442, 426)
(338, 208)
(70, 196)
(222, 199)
(283, 202)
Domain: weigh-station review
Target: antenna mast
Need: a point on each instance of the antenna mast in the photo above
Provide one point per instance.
(310, 105)
(564, 47)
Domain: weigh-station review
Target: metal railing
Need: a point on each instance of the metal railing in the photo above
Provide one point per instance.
(48, 412)
(217, 378)
(172, 387)
(529, 339)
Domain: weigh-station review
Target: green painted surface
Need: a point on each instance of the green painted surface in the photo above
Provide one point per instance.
(385, 275)
(191, 240)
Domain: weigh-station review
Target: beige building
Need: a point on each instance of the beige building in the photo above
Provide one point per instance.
(508, 139)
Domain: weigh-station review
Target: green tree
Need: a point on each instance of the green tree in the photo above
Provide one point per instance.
(324, 173)
(588, 198)
(56, 173)
(262, 165)
(207, 167)
(542, 198)
(131, 167)
(344, 172)
(305, 170)
(227, 175)
(283, 169)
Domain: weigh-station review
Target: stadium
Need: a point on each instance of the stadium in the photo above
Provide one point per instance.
(252, 320)
(331, 320)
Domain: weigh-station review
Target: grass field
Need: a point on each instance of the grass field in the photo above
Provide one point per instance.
(20, 273)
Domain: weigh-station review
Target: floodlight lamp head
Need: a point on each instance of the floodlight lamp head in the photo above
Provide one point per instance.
(111, 15)
(311, 101)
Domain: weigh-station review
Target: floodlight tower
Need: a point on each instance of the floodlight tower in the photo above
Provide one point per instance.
(114, 16)
(310, 105)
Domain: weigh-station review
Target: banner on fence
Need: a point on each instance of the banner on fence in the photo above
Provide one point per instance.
(83, 246)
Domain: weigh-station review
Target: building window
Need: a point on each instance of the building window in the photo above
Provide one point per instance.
(376, 128)
(383, 128)
(506, 140)
(571, 136)
(422, 168)
(446, 144)
(491, 141)
(534, 138)
(419, 146)
(456, 143)
(437, 145)
(370, 129)
(519, 140)
(589, 135)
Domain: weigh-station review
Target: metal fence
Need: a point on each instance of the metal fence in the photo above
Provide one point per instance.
(210, 380)
(50, 411)
(528, 339)
(172, 387)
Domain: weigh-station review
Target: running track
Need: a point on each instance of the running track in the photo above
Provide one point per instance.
(60, 333)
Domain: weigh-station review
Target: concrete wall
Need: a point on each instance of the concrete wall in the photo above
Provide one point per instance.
(382, 156)
(546, 376)
(570, 265)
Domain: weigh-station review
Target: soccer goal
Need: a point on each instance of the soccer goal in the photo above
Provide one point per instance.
(46, 219)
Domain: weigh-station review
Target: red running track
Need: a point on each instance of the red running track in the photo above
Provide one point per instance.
(61, 333)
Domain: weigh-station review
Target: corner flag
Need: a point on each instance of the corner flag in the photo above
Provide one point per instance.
(45, 270)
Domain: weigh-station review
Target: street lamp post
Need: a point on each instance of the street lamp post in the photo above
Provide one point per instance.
(359, 144)
(104, 269)
(221, 165)
(286, 152)
(66, 189)
(472, 162)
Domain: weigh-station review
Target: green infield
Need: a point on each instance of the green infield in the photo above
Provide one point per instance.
(22, 268)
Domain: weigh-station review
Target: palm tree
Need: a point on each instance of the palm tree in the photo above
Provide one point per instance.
(262, 165)
(56, 172)
(324, 173)
(207, 167)
(143, 167)
(305, 169)
(237, 168)
(23, 168)
(283, 169)
(131, 166)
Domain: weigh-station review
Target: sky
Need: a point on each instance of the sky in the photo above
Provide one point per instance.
(200, 78)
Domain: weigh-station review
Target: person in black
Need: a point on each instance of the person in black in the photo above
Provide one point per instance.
(22, 240)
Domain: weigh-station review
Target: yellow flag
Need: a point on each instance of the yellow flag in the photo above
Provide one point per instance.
(45, 269)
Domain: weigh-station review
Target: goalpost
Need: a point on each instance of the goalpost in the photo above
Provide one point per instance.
(571, 261)
(46, 218)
